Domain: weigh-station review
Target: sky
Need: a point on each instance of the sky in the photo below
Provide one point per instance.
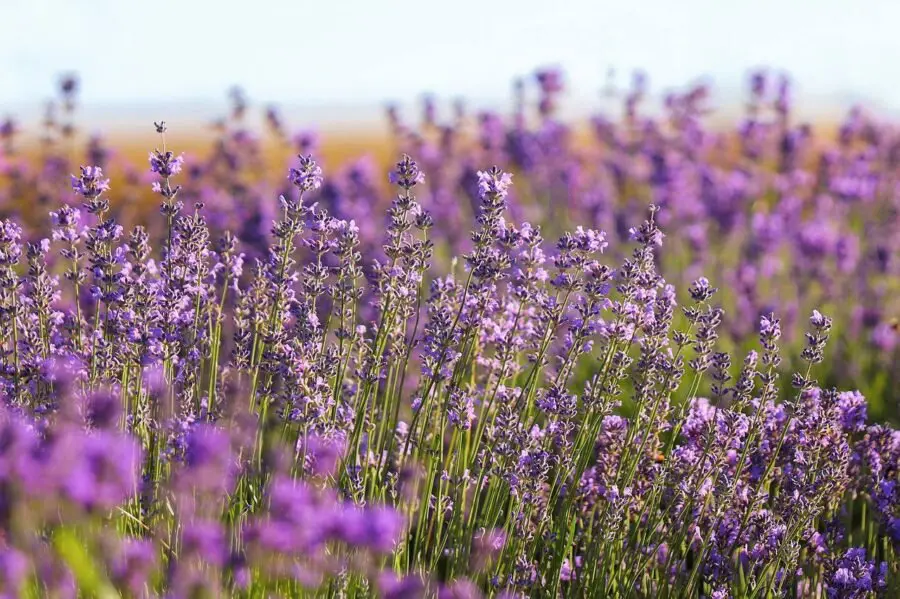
(349, 53)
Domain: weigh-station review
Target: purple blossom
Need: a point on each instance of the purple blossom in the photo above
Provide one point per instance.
(852, 575)
(90, 184)
(166, 164)
(494, 183)
(406, 174)
(307, 176)
(853, 410)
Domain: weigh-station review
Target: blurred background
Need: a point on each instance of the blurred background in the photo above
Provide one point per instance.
(336, 64)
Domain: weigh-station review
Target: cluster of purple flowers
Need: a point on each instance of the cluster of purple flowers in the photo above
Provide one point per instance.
(334, 408)
(780, 217)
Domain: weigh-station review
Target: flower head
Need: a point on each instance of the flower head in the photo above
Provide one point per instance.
(406, 174)
(166, 164)
(494, 182)
(306, 177)
(91, 185)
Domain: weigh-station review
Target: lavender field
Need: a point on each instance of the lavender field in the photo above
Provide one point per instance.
(640, 356)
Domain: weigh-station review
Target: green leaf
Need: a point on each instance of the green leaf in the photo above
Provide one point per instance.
(91, 581)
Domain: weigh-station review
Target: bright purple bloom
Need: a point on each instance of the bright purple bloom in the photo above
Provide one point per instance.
(853, 576)
(306, 177)
(90, 184)
(166, 164)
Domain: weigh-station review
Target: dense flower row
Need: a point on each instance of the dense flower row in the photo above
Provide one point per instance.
(307, 413)
(786, 220)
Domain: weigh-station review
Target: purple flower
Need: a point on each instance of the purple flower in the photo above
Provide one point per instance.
(306, 177)
(322, 454)
(769, 328)
(166, 164)
(205, 540)
(208, 462)
(375, 528)
(885, 336)
(819, 321)
(134, 564)
(392, 586)
(103, 409)
(853, 410)
(494, 182)
(104, 471)
(65, 224)
(406, 174)
(701, 290)
(853, 576)
(14, 568)
(91, 185)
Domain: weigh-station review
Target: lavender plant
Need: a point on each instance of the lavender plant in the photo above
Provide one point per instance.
(194, 411)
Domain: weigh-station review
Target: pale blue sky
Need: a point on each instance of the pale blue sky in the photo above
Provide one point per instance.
(359, 52)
